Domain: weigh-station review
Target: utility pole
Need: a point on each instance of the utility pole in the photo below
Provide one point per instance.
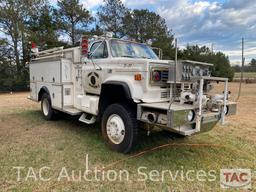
(212, 48)
(242, 71)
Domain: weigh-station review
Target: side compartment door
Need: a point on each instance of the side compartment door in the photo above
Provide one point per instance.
(57, 100)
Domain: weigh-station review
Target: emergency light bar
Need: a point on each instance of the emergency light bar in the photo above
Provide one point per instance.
(84, 46)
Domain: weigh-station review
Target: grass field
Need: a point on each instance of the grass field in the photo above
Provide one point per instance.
(26, 140)
(246, 75)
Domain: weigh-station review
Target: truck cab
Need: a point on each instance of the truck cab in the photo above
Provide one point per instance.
(125, 86)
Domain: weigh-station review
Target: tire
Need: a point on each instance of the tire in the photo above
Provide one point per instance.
(119, 128)
(46, 107)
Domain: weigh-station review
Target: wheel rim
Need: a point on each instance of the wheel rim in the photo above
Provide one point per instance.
(46, 107)
(115, 129)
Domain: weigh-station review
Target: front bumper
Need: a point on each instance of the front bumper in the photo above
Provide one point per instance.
(175, 117)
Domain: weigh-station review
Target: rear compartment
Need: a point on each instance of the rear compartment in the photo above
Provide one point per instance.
(59, 71)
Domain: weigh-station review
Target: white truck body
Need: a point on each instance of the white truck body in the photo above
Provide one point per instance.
(80, 86)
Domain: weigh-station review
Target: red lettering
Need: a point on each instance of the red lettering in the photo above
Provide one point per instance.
(227, 176)
(234, 178)
(242, 177)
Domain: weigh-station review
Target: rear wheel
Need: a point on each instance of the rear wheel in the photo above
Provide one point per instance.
(46, 107)
(120, 128)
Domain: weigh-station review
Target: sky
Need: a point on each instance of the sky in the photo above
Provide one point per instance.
(221, 23)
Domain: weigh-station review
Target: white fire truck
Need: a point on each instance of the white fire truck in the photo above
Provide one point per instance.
(125, 86)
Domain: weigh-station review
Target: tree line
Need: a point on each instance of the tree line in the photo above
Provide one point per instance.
(248, 68)
(26, 21)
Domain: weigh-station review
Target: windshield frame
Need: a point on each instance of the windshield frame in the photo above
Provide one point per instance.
(130, 56)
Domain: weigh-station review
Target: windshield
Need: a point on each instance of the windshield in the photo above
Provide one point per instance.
(132, 50)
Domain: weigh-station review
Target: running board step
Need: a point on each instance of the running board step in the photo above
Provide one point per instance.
(87, 118)
(71, 110)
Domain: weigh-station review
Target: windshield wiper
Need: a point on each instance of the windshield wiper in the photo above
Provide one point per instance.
(145, 58)
(129, 56)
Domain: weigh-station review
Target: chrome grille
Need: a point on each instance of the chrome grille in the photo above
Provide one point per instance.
(165, 94)
(164, 76)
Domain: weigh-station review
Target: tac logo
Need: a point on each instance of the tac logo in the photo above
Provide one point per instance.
(235, 178)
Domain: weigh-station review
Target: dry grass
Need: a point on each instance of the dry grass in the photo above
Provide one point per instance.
(27, 140)
(246, 75)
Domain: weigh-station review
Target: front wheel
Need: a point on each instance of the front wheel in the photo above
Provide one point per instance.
(119, 128)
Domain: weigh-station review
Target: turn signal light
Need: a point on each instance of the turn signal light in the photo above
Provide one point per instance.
(137, 77)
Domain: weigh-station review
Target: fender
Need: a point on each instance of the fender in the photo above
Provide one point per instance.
(42, 90)
(135, 87)
(114, 92)
(124, 86)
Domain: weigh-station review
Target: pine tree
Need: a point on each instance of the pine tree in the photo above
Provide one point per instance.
(73, 18)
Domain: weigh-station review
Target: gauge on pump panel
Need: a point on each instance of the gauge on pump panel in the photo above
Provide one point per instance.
(194, 72)
(201, 72)
(191, 72)
(184, 75)
(206, 72)
(190, 68)
(188, 76)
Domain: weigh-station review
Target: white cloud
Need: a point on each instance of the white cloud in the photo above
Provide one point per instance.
(221, 22)
(89, 4)
(140, 2)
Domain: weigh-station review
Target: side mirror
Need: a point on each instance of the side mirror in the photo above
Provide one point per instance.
(89, 56)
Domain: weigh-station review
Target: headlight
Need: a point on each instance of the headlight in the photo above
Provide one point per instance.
(191, 116)
(156, 76)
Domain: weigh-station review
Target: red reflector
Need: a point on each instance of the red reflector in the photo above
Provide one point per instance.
(84, 52)
(33, 45)
(84, 46)
(85, 41)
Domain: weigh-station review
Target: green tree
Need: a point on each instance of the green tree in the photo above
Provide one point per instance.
(143, 25)
(13, 15)
(111, 16)
(73, 18)
(253, 63)
(7, 69)
(42, 28)
(96, 30)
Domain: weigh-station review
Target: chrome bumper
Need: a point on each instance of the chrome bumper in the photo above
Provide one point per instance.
(174, 116)
(175, 119)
